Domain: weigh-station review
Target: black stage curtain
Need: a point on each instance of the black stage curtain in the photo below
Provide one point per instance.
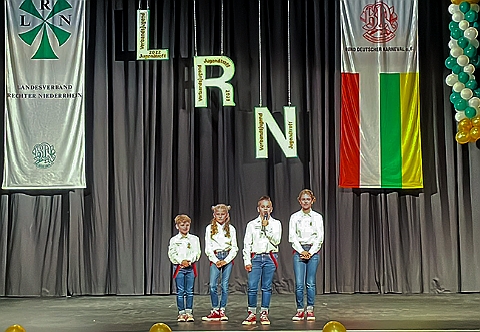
(151, 155)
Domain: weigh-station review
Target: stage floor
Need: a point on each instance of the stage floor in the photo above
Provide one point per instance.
(359, 312)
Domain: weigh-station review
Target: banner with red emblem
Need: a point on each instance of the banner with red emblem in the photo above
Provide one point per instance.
(380, 123)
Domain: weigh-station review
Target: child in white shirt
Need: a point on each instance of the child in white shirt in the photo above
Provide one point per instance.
(183, 251)
(221, 248)
(260, 253)
(306, 236)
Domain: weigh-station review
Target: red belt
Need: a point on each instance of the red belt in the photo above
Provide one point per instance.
(177, 269)
(271, 254)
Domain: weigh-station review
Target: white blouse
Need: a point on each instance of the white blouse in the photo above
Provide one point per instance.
(306, 229)
(220, 242)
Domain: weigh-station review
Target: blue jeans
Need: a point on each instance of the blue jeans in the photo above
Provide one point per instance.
(263, 268)
(225, 270)
(184, 282)
(305, 272)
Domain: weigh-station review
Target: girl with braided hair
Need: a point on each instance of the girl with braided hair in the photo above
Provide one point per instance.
(221, 248)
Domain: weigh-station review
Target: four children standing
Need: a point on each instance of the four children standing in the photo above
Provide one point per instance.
(260, 253)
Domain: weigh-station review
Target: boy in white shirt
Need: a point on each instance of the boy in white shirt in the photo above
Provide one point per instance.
(183, 252)
(260, 253)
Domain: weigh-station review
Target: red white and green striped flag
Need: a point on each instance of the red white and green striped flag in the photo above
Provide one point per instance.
(380, 120)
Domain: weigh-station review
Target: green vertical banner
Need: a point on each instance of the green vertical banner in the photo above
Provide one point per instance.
(45, 94)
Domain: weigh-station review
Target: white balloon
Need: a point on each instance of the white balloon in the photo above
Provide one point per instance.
(458, 87)
(451, 79)
(474, 42)
(456, 52)
(453, 8)
(452, 43)
(463, 24)
(466, 93)
(463, 60)
(458, 16)
(474, 102)
(470, 69)
(475, 7)
(460, 115)
(470, 33)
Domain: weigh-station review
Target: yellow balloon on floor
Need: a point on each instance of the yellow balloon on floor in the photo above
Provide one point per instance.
(15, 328)
(334, 326)
(160, 327)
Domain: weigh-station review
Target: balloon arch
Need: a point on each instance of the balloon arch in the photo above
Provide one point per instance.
(463, 61)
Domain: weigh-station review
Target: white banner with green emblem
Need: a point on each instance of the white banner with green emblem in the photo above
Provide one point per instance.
(44, 74)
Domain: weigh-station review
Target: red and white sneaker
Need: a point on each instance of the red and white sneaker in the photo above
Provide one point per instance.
(212, 317)
(250, 320)
(310, 316)
(264, 318)
(223, 317)
(299, 316)
(189, 317)
(181, 318)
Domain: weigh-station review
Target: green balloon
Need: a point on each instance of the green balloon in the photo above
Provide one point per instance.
(463, 77)
(452, 25)
(454, 96)
(464, 7)
(461, 104)
(457, 69)
(470, 51)
(470, 112)
(450, 62)
(476, 93)
(471, 16)
(463, 42)
(456, 33)
(471, 84)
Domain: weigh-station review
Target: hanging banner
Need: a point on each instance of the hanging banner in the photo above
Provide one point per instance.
(143, 39)
(288, 142)
(44, 74)
(200, 64)
(380, 114)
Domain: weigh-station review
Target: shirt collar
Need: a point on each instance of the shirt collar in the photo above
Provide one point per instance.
(309, 214)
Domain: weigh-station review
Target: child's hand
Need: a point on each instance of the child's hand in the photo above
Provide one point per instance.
(221, 263)
(305, 255)
(248, 267)
(185, 263)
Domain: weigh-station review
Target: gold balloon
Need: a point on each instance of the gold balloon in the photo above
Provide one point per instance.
(464, 125)
(160, 327)
(474, 134)
(462, 137)
(476, 121)
(15, 328)
(334, 326)
(457, 2)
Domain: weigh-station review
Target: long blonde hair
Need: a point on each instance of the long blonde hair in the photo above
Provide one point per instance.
(226, 225)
